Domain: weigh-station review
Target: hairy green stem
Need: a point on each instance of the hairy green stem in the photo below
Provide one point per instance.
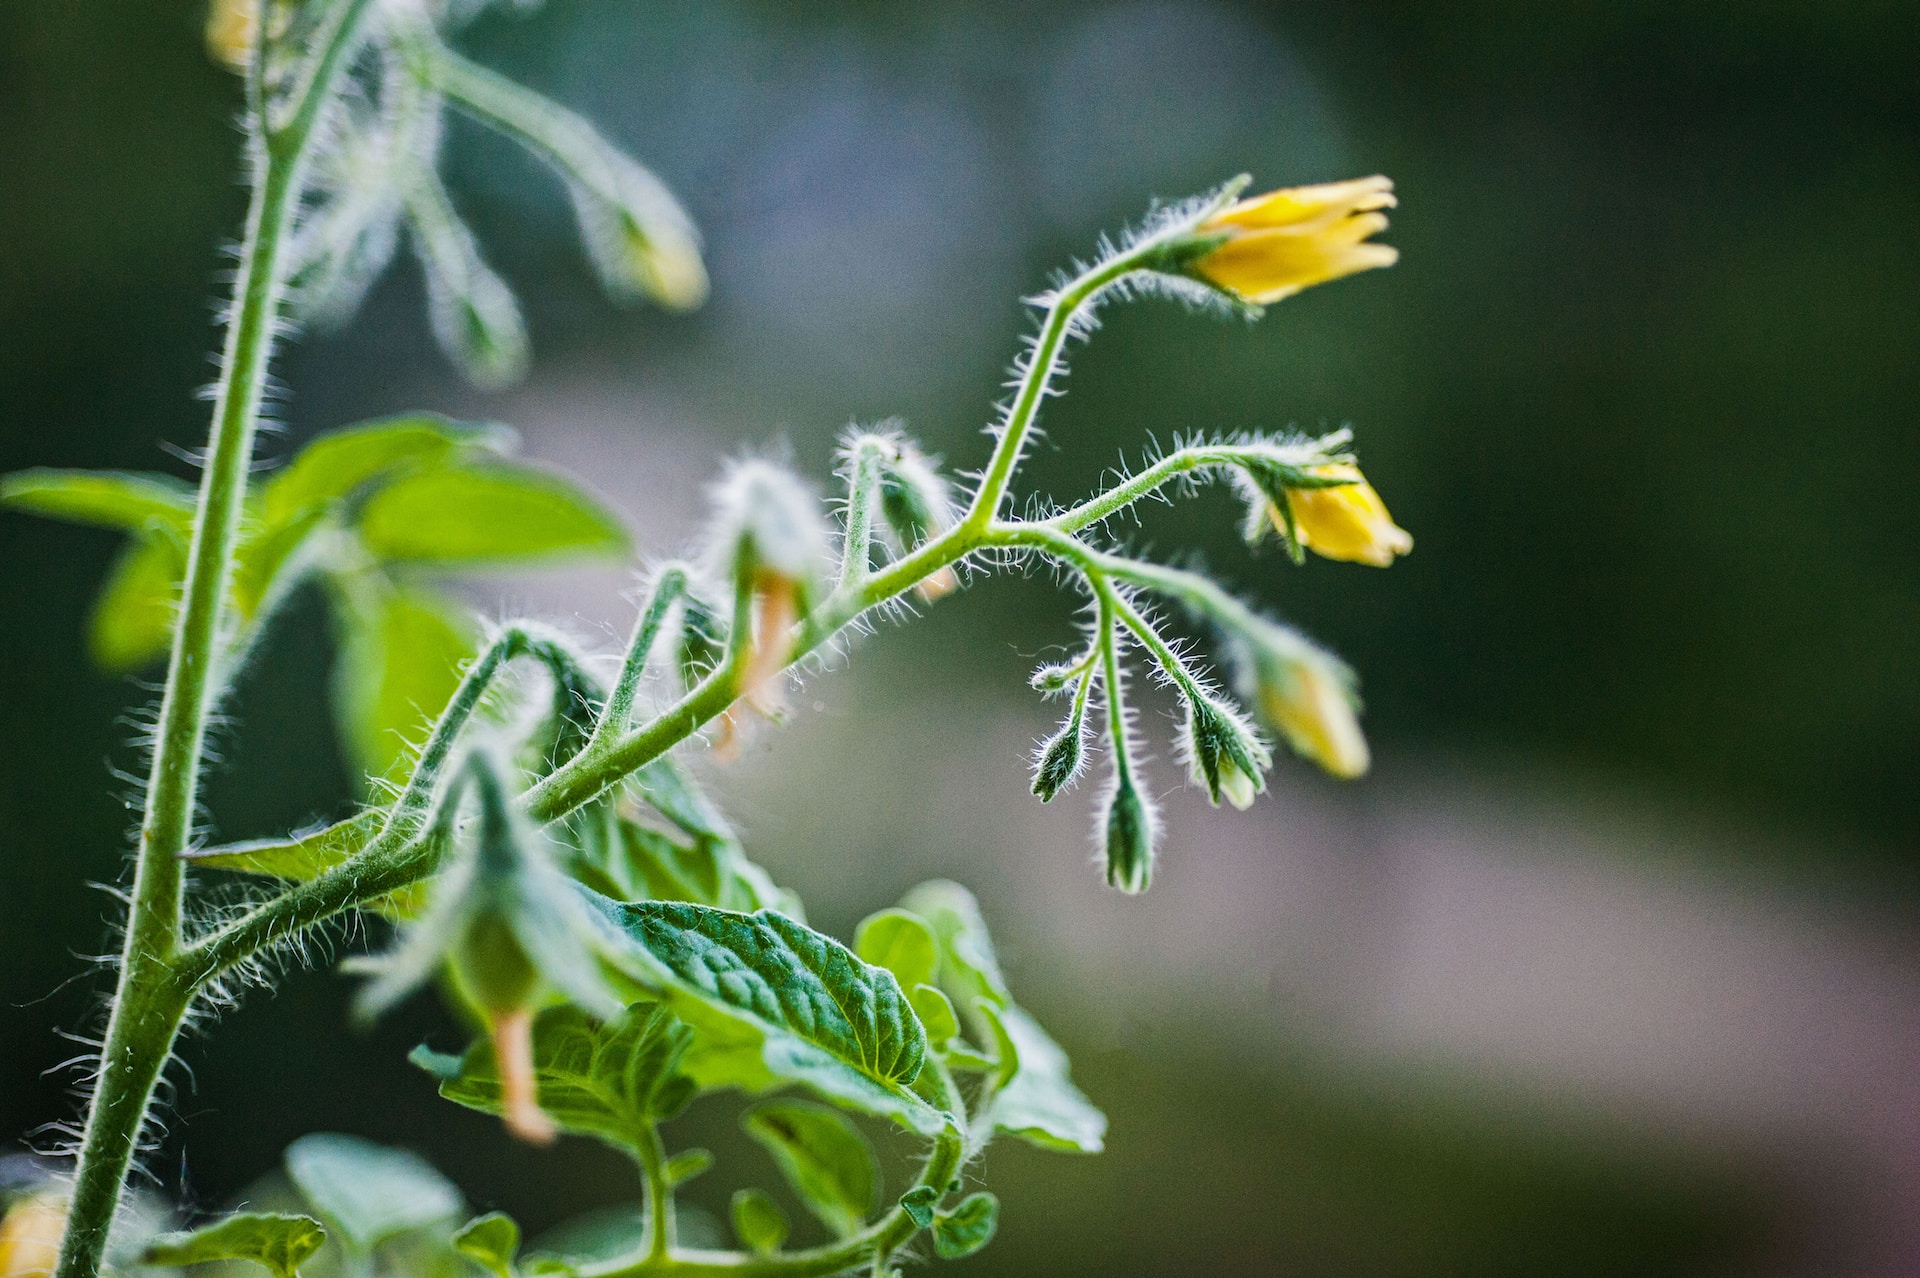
(653, 1169)
(151, 999)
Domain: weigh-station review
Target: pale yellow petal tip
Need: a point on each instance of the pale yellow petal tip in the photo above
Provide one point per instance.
(1281, 242)
(1316, 714)
(232, 28)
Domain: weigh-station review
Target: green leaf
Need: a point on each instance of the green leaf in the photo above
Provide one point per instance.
(758, 1221)
(608, 1081)
(366, 1192)
(493, 515)
(336, 465)
(133, 617)
(300, 857)
(828, 1163)
(308, 855)
(490, 1241)
(1039, 1104)
(935, 1011)
(687, 1164)
(919, 1203)
(900, 942)
(967, 1228)
(1006, 1051)
(104, 498)
(399, 663)
(281, 1243)
(772, 1000)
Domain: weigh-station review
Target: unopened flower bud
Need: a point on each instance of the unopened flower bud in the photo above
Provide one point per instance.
(1050, 679)
(232, 28)
(769, 531)
(917, 506)
(640, 239)
(1271, 246)
(1224, 754)
(1060, 759)
(1344, 519)
(1307, 695)
(1130, 824)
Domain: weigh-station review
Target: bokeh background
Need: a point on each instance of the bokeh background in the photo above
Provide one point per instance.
(1613, 964)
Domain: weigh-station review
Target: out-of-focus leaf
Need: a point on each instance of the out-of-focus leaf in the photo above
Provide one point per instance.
(967, 1228)
(280, 1243)
(491, 515)
(304, 856)
(687, 1164)
(826, 1161)
(103, 498)
(338, 464)
(369, 1193)
(1039, 1104)
(134, 615)
(935, 1011)
(400, 657)
(608, 1081)
(900, 942)
(758, 1221)
(491, 1241)
(820, 1016)
(269, 559)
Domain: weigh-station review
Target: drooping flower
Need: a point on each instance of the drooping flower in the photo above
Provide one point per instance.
(1287, 240)
(1343, 520)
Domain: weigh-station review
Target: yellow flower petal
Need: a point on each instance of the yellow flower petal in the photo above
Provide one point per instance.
(1290, 239)
(1315, 714)
(30, 1237)
(1348, 521)
(232, 26)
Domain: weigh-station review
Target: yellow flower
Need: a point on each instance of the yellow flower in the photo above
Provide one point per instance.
(30, 1236)
(1310, 705)
(232, 26)
(1345, 521)
(1287, 240)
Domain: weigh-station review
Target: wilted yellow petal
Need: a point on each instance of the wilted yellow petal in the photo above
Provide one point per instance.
(1347, 521)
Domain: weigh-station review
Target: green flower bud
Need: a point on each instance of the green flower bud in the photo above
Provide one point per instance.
(1223, 753)
(1060, 758)
(1130, 831)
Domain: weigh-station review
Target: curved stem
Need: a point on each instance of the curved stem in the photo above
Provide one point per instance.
(653, 1169)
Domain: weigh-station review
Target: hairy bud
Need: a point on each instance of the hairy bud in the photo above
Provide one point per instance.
(1224, 754)
(1130, 830)
(1061, 757)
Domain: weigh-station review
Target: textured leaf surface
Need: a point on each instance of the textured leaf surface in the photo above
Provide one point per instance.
(485, 516)
(369, 1192)
(607, 1081)
(826, 1161)
(103, 498)
(281, 1243)
(772, 1000)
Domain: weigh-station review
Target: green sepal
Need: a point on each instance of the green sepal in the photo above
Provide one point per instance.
(276, 1241)
(758, 1222)
(609, 1081)
(967, 1228)
(826, 1161)
(491, 1241)
(368, 1193)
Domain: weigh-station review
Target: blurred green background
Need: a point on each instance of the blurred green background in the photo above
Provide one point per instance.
(1643, 386)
